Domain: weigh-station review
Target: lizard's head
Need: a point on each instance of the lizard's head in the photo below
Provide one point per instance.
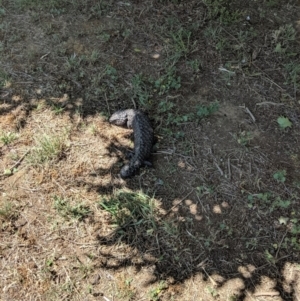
(119, 118)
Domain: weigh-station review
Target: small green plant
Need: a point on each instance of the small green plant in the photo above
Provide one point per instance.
(6, 210)
(284, 122)
(57, 109)
(111, 72)
(131, 208)
(293, 74)
(205, 190)
(95, 56)
(215, 37)
(212, 291)
(244, 138)
(167, 82)
(220, 10)
(8, 138)
(267, 201)
(64, 208)
(283, 37)
(182, 43)
(270, 258)
(155, 293)
(47, 149)
(195, 65)
(4, 79)
(205, 111)
(280, 176)
(73, 62)
(139, 90)
(228, 230)
(126, 291)
(104, 37)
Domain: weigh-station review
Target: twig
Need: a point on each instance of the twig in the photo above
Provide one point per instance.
(178, 203)
(278, 249)
(229, 169)
(267, 77)
(212, 280)
(219, 168)
(19, 161)
(134, 104)
(43, 56)
(251, 115)
(225, 70)
(266, 294)
(269, 103)
(107, 104)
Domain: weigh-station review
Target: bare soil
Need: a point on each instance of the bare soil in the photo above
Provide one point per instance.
(225, 185)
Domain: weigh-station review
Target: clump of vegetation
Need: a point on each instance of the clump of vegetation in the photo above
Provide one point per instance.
(244, 138)
(65, 209)
(284, 122)
(6, 210)
(131, 208)
(8, 137)
(205, 111)
(48, 148)
(280, 176)
(168, 81)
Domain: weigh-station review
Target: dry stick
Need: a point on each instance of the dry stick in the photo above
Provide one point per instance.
(269, 103)
(17, 163)
(178, 203)
(134, 104)
(219, 168)
(251, 115)
(229, 169)
(268, 78)
(266, 294)
(280, 244)
(107, 104)
(212, 280)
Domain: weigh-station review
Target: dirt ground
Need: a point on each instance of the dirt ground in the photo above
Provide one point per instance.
(217, 215)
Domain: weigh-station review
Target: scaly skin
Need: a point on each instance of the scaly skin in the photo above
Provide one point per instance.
(143, 138)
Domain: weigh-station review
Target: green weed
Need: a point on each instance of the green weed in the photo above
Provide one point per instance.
(6, 210)
(215, 37)
(269, 257)
(155, 293)
(111, 72)
(182, 43)
(268, 201)
(73, 62)
(220, 10)
(283, 37)
(64, 208)
(48, 148)
(140, 90)
(244, 138)
(212, 291)
(205, 111)
(57, 109)
(4, 79)
(167, 82)
(131, 208)
(280, 176)
(284, 122)
(8, 137)
(196, 65)
(293, 73)
(126, 291)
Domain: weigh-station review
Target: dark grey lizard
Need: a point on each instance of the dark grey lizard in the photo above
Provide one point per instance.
(143, 138)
